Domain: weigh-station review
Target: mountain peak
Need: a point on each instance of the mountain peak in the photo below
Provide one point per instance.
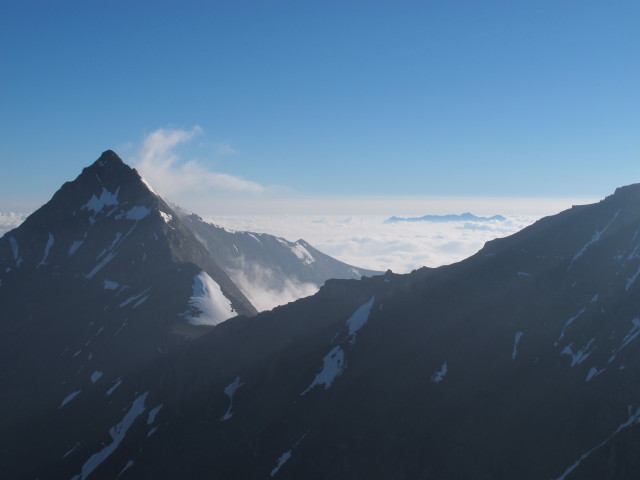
(109, 161)
(108, 184)
(108, 156)
(110, 172)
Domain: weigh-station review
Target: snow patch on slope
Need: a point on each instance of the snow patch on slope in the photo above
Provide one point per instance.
(148, 185)
(629, 337)
(359, 318)
(133, 298)
(580, 356)
(15, 248)
(631, 280)
(47, 248)
(596, 237)
(99, 267)
(166, 217)
(110, 285)
(593, 372)
(438, 376)
(137, 213)
(281, 461)
(114, 386)
(332, 366)
(569, 322)
(230, 391)
(117, 433)
(106, 199)
(516, 340)
(633, 419)
(285, 457)
(75, 245)
(152, 414)
(69, 397)
(303, 254)
(208, 305)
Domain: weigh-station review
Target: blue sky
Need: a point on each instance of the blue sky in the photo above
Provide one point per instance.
(324, 99)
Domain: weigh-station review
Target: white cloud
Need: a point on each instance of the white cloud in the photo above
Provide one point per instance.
(366, 241)
(158, 162)
(265, 289)
(10, 220)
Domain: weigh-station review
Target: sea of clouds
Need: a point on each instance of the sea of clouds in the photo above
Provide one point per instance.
(360, 240)
(367, 241)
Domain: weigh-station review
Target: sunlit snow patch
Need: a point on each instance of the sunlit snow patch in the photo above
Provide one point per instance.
(208, 305)
(165, 216)
(148, 185)
(332, 365)
(303, 254)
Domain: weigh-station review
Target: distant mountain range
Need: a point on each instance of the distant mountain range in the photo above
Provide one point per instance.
(520, 362)
(463, 217)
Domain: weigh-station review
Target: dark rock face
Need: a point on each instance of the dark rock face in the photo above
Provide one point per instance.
(519, 362)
